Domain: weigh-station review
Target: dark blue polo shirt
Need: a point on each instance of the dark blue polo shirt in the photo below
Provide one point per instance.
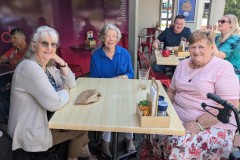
(170, 38)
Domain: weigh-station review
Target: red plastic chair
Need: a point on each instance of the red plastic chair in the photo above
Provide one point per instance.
(66, 55)
(149, 40)
(165, 80)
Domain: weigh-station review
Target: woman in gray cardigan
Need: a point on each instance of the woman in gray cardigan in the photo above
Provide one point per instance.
(38, 90)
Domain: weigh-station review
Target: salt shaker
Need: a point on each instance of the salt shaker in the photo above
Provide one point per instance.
(161, 45)
(162, 107)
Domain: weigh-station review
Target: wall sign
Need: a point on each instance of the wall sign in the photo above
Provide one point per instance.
(187, 8)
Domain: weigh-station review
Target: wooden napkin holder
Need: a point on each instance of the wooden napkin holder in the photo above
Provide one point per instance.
(153, 121)
(181, 54)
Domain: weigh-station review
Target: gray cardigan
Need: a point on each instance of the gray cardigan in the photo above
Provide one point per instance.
(31, 96)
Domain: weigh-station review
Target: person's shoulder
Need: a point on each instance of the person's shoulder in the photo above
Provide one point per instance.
(97, 52)
(186, 30)
(121, 50)
(235, 37)
(28, 65)
(219, 62)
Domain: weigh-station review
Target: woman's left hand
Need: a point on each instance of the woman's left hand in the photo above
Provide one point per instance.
(192, 127)
(58, 60)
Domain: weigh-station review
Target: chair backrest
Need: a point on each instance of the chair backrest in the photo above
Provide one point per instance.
(145, 63)
(150, 31)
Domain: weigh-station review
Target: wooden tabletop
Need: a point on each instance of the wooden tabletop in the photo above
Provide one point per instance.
(172, 60)
(115, 111)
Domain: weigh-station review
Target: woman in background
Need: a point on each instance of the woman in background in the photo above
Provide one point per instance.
(228, 41)
(112, 61)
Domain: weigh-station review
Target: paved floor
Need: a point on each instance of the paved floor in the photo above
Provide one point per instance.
(6, 153)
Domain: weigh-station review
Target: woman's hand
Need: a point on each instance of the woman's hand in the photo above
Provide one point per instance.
(192, 127)
(58, 60)
(62, 64)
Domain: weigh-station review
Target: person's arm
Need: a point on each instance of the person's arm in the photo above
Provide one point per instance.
(160, 38)
(217, 52)
(41, 89)
(93, 68)
(227, 88)
(156, 43)
(62, 65)
(171, 93)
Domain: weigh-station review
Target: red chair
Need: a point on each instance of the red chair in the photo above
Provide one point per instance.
(124, 40)
(149, 40)
(66, 55)
(165, 80)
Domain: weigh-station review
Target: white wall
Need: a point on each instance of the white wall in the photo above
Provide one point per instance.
(217, 11)
(148, 13)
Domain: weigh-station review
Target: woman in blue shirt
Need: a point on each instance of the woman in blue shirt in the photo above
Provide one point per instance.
(112, 61)
(227, 42)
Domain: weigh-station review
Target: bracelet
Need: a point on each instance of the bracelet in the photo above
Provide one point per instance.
(65, 65)
(201, 128)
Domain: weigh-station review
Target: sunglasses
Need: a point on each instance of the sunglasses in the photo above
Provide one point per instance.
(46, 44)
(222, 21)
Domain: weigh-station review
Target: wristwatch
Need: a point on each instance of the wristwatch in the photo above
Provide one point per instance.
(65, 65)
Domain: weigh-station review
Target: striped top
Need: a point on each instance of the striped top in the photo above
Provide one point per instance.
(192, 85)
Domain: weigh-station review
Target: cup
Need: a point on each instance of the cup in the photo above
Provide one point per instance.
(143, 77)
(166, 53)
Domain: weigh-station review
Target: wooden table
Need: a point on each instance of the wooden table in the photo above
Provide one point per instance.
(172, 60)
(115, 111)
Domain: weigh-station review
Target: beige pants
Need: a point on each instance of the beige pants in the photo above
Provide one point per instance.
(78, 139)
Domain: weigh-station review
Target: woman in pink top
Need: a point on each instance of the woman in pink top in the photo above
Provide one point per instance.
(206, 137)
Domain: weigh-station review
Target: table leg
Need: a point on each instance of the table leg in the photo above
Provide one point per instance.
(115, 146)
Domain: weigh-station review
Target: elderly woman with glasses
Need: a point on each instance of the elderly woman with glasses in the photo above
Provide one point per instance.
(39, 89)
(112, 61)
(202, 73)
(227, 42)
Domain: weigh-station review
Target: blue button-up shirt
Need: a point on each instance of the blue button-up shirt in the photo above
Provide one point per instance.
(104, 67)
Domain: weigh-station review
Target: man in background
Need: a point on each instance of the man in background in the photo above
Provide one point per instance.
(15, 54)
(171, 37)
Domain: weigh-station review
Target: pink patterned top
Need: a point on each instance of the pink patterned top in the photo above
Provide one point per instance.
(192, 85)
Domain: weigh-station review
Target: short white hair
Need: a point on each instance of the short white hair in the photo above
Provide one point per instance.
(43, 32)
(106, 28)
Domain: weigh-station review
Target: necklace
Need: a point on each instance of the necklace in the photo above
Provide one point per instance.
(192, 71)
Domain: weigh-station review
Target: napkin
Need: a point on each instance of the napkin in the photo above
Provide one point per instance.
(88, 96)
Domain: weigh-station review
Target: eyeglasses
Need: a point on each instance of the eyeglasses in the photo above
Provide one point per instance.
(46, 44)
(222, 21)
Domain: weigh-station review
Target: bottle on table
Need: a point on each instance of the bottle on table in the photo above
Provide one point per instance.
(161, 45)
(162, 108)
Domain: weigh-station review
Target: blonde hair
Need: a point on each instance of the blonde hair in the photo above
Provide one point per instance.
(234, 27)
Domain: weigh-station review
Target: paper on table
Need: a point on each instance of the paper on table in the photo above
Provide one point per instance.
(153, 94)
